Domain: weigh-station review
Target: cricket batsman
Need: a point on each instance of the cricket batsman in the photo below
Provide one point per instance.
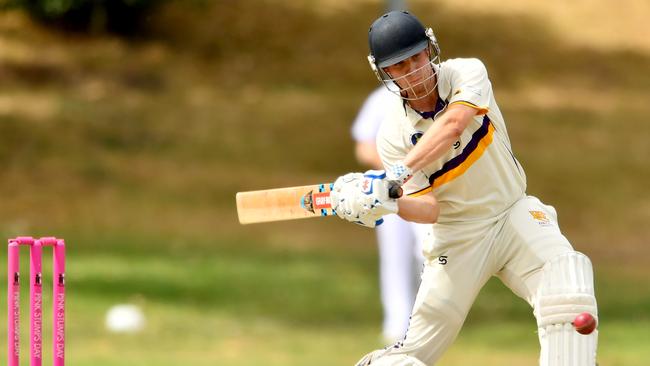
(446, 144)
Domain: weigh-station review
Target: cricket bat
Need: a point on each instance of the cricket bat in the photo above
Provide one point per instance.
(289, 203)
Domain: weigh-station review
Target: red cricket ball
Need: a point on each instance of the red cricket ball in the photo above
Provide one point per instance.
(584, 323)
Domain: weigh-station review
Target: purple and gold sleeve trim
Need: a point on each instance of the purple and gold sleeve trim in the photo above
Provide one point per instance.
(480, 110)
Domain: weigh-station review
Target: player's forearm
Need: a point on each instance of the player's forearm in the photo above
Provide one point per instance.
(434, 143)
(437, 141)
(423, 210)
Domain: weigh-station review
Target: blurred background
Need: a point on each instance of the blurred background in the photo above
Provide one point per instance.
(127, 127)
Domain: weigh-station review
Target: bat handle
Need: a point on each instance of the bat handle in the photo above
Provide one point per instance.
(395, 191)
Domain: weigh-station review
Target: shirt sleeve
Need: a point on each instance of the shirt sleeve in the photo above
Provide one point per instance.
(470, 84)
(370, 116)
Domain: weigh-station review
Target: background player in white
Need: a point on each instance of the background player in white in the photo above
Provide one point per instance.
(447, 144)
(399, 241)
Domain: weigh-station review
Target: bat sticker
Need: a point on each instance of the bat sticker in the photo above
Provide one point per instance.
(306, 201)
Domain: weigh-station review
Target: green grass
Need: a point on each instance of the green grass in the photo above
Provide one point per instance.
(233, 305)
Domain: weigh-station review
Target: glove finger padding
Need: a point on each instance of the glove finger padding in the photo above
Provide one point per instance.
(341, 194)
(343, 180)
(370, 221)
(352, 204)
(347, 201)
(354, 210)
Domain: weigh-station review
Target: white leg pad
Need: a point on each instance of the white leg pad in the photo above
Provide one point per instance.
(563, 346)
(566, 289)
(384, 357)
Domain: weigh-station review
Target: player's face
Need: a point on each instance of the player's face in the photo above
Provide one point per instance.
(414, 75)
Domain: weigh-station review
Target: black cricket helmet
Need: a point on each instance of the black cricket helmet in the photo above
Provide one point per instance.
(394, 37)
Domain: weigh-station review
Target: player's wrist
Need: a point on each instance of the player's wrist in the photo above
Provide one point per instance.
(399, 173)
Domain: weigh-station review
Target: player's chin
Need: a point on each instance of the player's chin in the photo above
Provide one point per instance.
(417, 94)
(423, 90)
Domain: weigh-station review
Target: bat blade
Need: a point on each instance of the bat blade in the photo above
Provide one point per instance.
(284, 204)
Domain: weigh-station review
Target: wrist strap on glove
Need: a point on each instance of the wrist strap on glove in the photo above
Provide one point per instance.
(399, 173)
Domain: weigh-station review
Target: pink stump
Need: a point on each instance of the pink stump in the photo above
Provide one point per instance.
(36, 304)
(13, 304)
(36, 300)
(58, 336)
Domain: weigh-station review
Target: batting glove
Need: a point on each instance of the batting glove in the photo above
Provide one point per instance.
(377, 187)
(363, 198)
(347, 199)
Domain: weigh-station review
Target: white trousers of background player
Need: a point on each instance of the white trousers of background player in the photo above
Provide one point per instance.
(401, 261)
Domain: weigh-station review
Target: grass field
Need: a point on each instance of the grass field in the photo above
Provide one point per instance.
(240, 304)
(133, 150)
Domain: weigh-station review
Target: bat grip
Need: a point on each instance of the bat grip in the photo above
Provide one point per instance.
(395, 191)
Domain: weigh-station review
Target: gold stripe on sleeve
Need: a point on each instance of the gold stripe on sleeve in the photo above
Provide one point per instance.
(481, 110)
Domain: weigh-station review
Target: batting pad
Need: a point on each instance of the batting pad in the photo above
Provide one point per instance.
(566, 289)
(563, 346)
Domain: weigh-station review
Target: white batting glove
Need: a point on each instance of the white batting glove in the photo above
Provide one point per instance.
(377, 186)
(346, 180)
(399, 173)
(363, 198)
(347, 199)
(368, 220)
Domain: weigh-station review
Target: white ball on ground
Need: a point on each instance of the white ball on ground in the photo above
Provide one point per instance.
(125, 318)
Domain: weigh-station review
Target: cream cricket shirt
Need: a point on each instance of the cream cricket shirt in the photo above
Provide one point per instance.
(479, 177)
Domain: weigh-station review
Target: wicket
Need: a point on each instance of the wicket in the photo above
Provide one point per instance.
(36, 300)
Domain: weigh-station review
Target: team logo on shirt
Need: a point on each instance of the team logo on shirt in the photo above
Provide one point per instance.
(540, 217)
(416, 137)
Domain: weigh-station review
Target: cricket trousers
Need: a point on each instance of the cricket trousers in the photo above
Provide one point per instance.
(460, 258)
